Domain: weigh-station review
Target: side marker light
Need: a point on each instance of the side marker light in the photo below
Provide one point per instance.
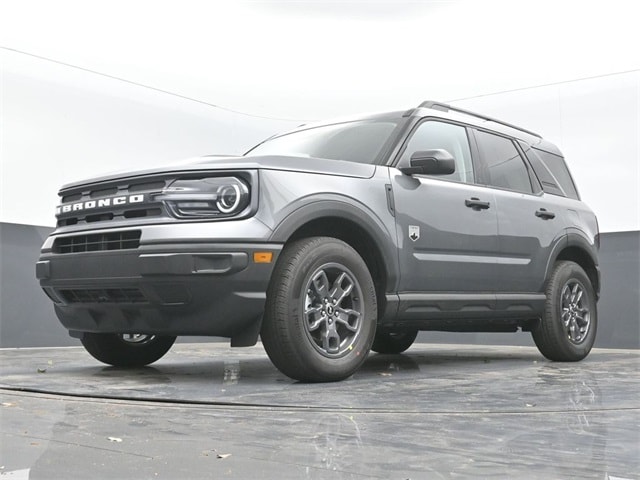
(262, 257)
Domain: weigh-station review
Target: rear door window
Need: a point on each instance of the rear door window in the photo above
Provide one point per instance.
(502, 165)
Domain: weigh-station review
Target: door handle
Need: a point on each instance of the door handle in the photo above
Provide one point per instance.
(544, 214)
(476, 204)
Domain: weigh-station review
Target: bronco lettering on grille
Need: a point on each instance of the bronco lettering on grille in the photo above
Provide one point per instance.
(103, 202)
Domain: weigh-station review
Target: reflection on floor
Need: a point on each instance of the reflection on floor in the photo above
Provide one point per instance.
(208, 411)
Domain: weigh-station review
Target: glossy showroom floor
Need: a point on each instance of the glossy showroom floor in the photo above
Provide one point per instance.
(207, 411)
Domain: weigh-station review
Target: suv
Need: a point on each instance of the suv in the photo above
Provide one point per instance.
(332, 240)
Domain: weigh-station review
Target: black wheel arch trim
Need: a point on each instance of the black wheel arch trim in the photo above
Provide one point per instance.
(360, 215)
(576, 239)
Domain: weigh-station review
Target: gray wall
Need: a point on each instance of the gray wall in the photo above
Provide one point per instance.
(27, 318)
(26, 314)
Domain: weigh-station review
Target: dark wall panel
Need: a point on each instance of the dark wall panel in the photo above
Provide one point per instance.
(27, 318)
(26, 314)
(619, 305)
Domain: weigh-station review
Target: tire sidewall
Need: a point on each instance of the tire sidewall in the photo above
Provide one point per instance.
(567, 272)
(330, 368)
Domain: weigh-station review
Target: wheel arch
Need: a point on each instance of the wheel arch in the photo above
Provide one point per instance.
(354, 225)
(578, 249)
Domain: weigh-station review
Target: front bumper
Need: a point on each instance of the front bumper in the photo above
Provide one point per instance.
(172, 289)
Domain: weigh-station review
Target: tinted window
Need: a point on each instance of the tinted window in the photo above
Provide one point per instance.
(503, 166)
(547, 180)
(431, 135)
(560, 172)
(359, 142)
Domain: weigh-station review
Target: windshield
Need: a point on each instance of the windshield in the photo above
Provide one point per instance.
(360, 141)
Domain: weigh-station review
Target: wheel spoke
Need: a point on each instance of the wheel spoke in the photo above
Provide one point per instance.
(572, 329)
(566, 296)
(313, 326)
(349, 318)
(331, 340)
(578, 295)
(574, 292)
(583, 321)
(314, 318)
(136, 338)
(338, 290)
(320, 284)
(313, 310)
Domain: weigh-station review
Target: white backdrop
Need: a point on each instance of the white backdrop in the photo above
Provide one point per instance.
(61, 124)
(596, 124)
(566, 69)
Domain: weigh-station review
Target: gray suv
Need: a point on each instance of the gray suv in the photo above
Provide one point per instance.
(330, 241)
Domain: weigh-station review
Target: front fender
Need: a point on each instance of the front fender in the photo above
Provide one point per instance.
(380, 230)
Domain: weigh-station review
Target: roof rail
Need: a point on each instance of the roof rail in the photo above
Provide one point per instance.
(443, 107)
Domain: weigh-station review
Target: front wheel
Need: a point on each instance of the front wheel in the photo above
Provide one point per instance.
(126, 350)
(321, 311)
(567, 331)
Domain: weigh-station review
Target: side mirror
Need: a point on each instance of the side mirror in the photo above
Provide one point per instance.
(430, 162)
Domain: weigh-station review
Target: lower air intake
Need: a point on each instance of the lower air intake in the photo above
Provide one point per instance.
(103, 295)
(98, 242)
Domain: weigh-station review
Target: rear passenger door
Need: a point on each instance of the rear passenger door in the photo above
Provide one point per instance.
(529, 224)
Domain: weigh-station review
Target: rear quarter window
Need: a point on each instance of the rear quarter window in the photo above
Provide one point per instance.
(557, 167)
(546, 178)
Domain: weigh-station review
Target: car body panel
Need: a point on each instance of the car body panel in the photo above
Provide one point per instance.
(445, 265)
(457, 247)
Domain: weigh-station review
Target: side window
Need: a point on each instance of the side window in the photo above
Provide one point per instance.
(560, 172)
(432, 135)
(503, 166)
(546, 178)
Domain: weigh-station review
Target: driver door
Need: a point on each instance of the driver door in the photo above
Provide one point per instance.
(447, 229)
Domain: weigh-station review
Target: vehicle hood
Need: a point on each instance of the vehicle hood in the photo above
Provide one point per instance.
(271, 162)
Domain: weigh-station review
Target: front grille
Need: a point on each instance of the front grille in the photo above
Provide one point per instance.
(98, 242)
(94, 203)
(119, 189)
(103, 295)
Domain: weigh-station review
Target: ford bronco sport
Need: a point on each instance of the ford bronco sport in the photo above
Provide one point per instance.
(330, 241)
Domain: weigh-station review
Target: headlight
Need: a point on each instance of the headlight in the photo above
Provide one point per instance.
(213, 197)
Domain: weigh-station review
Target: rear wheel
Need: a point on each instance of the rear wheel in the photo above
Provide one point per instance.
(393, 342)
(567, 331)
(126, 350)
(321, 312)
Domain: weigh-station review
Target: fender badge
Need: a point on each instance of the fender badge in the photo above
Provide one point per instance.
(414, 232)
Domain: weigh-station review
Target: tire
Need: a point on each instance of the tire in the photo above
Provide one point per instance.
(321, 312)
(567, 331)
(124, 350)
(393, 342)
